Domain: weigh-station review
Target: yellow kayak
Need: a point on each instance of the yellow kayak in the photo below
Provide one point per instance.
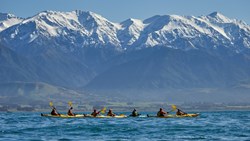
(117, 116)
(177, 116)
(103, 116)
(63, 116)
(83, 116)
(189, 115)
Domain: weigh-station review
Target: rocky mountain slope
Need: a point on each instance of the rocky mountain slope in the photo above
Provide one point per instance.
(83, 50)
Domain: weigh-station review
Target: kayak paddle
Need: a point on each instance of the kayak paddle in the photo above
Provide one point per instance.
(70, 104)
(173, 108)
(51, 104)
(103, 110)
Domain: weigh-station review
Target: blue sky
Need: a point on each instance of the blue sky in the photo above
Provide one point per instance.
(120, 10)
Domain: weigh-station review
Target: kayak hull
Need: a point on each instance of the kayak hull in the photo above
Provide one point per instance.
(177, 116)
(62, 116)
(117, 116)
(189, 115)
(82, 116)
(103, 116)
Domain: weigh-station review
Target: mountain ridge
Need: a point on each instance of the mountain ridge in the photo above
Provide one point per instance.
(83, 50)
(79, 29)
(8, 20)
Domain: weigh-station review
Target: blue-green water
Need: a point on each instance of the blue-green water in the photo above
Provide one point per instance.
(209, 126)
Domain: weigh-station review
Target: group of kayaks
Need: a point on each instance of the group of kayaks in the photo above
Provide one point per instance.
(100, 114)
(118, 116)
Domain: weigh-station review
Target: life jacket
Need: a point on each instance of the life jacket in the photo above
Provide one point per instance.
(94, 114)
(160, 114)
(134, 113)
(53, 112)
(70, 113)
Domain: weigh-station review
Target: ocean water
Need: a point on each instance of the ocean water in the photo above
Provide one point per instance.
(208, 126)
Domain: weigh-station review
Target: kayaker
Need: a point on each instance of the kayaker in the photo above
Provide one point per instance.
(161, 113)
(54, 112)
(180, 112)
(110, 113)
(134, 113)
(95, 113)
(70, 112)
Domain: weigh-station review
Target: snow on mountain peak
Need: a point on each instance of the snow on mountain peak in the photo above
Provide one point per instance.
(5, 16)
(83, 29)
(131, 21)
(99, 27)
(171, 30)
(76, 27)
(51, 23)
(89, 17)
(130, 31)
(218, 17)
(8, 20)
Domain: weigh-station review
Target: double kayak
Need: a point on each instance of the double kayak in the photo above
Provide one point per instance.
(82, 116)
(103, 116)
(62, 116)
(176, 116)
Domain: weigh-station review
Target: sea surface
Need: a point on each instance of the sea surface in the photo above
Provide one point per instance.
(210, 126)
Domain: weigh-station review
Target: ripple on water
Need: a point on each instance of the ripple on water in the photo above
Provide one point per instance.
(209, 126)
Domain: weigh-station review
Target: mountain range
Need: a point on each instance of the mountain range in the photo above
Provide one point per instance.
(83, 51)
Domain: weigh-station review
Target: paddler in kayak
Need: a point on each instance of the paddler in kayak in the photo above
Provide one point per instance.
(54, 112)
(110, 113)
(134, 113)
(95, 113)
(70, 112)
(161, 113)
(180, 112)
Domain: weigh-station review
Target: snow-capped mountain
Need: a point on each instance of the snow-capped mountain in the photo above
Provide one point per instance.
(85, 50)
(70, 31)
(130, 32)
(187, 32)
(64, 30)
(8, 20)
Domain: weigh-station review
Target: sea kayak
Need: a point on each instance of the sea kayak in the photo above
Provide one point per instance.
(63, 116)
(176, 116)
(103, 116)
(139, 116)
(83, 116)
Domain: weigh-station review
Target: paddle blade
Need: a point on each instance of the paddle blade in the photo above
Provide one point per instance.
(174, 107)
(70, 103)
(103, 110)
(50, 103)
